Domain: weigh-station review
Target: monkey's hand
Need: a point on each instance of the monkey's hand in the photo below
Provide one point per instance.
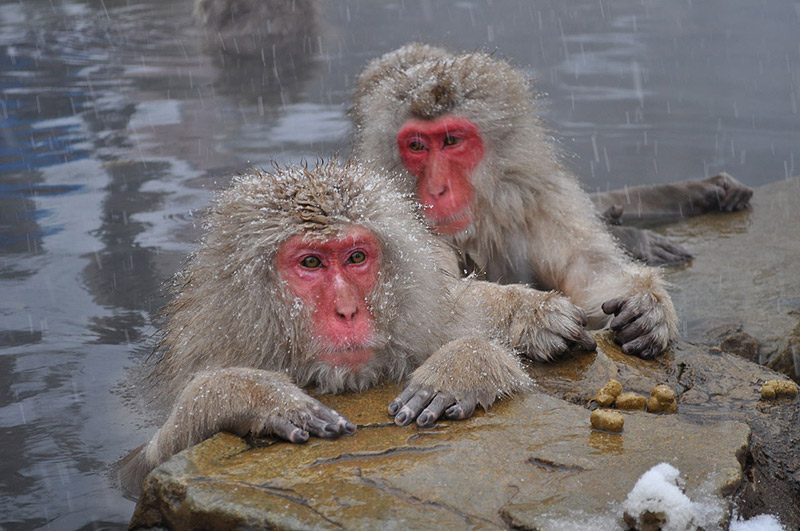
(240, 400)
(544, 324)
(306, 416)
(613, 215)
(294, 415)
(650, 247)
(722, 192)
(643, 323)
(459, 376)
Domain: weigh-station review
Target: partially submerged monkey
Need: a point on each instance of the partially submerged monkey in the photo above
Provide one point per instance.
(460, 131)
(325, 277)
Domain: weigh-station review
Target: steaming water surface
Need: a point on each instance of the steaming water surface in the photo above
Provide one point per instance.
(116, 121)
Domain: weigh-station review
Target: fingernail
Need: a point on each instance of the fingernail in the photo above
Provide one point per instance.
(401, 418)
(331, 428)
(393, 408)
(423, 419)
(350, 427)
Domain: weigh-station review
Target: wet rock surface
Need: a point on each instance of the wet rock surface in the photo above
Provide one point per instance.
(533, 461)
(742, 290)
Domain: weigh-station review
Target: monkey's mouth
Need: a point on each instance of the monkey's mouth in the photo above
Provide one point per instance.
(351, 358)
(454, 224)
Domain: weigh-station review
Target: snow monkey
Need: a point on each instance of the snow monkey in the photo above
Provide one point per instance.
(460, 132)
(259, 29)
(648, 203)
(326, 277)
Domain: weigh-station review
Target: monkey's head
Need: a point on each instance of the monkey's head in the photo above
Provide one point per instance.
(313, 271)
(457, 126)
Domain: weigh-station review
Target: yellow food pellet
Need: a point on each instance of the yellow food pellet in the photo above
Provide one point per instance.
(775, 388)
(606, 396)
(630, 401)
(654, 406)
(604, 419)
(662, 400)
(663, 393)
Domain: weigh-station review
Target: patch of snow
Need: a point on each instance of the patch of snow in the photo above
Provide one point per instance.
(659, 493)
(762, 522)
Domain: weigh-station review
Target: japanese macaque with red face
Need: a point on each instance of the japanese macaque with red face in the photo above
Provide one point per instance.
(461, 133)
(326, 278)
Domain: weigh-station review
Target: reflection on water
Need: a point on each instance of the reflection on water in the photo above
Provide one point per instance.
(116, 117)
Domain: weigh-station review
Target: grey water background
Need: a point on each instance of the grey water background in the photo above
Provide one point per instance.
(116, 122)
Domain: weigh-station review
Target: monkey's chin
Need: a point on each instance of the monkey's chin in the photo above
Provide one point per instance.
(453, 224)
(351, 359)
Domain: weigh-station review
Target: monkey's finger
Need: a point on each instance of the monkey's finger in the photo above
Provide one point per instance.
(642, 346)
(402, 398)
(582, 318)
(637, 328)
(651, 352)
(612, 306)
(333, 417)
(434, 410)
(664, 256)
(670, 250)
(411, 410)
(628, 314)
(572, 333)
(585, 341)
(463, 409)
(672, 260)
(282, 428)
(737, 198)
(320, 428)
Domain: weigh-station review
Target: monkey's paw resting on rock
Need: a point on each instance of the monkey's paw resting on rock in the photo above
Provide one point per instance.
(540, 324)
(645, 322)
(241, 400)
(546, 324)
(459, 376)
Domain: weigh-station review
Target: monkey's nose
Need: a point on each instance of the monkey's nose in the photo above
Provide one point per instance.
(346, 312)
(437, 190)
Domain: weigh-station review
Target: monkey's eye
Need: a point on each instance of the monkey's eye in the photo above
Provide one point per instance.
(311, 262)
(357, 257)
(416, 146)
(451, 140)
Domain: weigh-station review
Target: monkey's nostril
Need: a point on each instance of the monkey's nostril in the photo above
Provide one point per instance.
(347, 314)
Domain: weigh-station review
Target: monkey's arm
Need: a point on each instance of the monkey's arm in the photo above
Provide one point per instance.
(722, 193)
(238, 400)
(540, 324)
(462, 374)
(573, 252)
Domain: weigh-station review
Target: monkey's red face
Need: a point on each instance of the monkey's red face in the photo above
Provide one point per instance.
(442, 155)
(334, 278)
